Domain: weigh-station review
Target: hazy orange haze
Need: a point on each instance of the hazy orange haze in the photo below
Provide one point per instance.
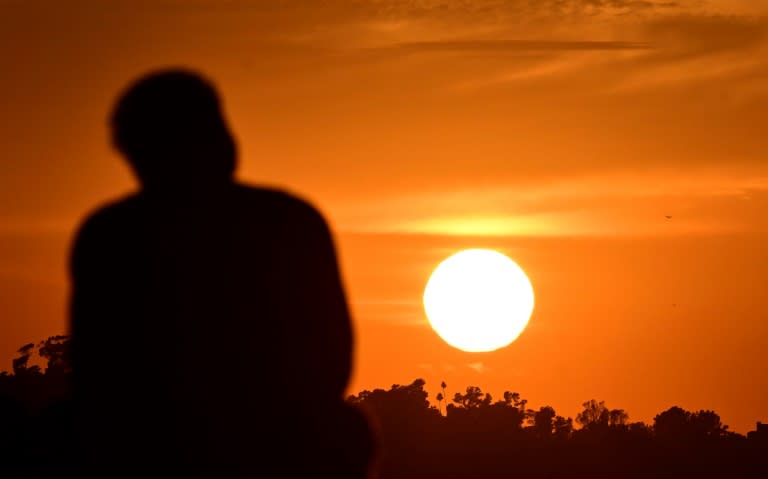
(560, 132)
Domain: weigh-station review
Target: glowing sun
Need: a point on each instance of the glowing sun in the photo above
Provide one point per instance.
(478, 300)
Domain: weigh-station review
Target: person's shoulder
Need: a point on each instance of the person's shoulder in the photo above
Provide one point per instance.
(102, 226)
(109, 214)
(284, 201)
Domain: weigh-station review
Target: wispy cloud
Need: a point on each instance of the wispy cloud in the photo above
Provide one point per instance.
(706, 34)
(620, 46)
(698, 48)
(623, 205)
(500, 46)
(479, 367)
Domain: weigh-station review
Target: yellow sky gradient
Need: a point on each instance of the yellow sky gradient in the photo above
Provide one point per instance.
(560, 132)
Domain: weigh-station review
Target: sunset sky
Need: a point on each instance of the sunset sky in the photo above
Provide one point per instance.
(560, 132)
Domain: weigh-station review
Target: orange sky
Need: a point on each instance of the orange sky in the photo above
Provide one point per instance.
(560, 133)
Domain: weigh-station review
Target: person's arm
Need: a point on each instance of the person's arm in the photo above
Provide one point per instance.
(316, 298)
(83, 304)
(90, 313)
(90, 374)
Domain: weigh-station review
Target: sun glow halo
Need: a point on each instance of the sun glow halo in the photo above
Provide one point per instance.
(478, 300)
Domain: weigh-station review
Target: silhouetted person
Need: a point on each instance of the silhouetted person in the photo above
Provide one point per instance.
(211, 333)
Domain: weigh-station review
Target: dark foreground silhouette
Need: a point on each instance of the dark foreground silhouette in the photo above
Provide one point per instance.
(204, 310)
(474, 436)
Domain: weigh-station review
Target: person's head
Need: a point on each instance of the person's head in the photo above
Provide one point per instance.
(170, 127)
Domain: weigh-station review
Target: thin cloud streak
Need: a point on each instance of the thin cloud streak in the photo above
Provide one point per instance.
(693, 71)
(479, 367)
(514, 46)
(586, 206)
(560, 225)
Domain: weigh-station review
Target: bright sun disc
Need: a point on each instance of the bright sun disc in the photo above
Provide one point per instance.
(478, 300)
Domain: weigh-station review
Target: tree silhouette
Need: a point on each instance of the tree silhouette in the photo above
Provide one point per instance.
(544, 421)
(56, 351)
(707, 424)
(617, 417)
(677, 424)
(21, 363)
(595, 415)
(471, 399)
(563, 427)
(672, 422)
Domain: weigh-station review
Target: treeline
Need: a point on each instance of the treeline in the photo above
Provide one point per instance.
(473, 436)
(469, 436)
(35, 415)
